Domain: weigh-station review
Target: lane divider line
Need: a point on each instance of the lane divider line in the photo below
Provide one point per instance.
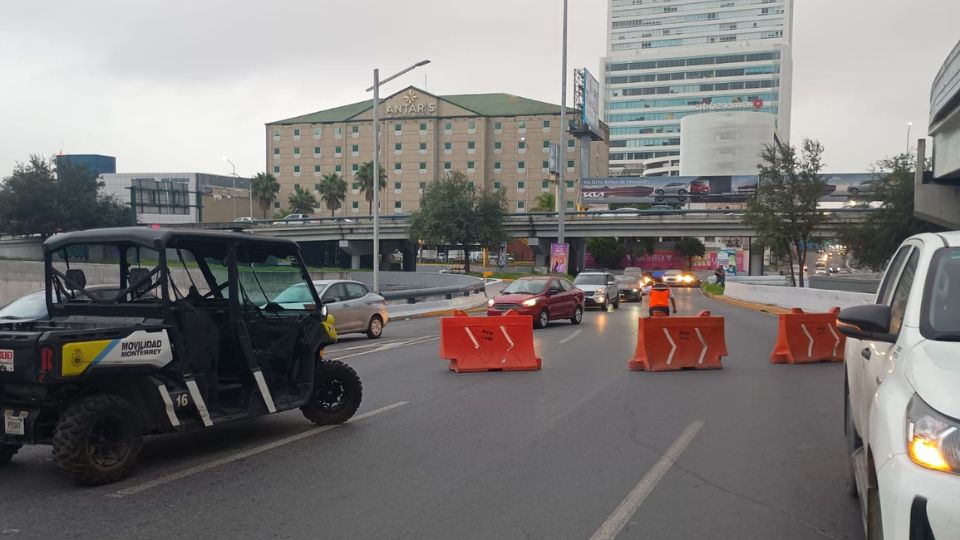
(619, 518)
(571, 336)
(186, 473)
(395, 345)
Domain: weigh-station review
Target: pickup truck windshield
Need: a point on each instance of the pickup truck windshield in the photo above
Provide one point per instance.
(940, 312)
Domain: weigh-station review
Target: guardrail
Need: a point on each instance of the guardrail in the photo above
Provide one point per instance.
(412, 296)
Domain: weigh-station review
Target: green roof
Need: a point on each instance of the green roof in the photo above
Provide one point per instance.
(482, 104)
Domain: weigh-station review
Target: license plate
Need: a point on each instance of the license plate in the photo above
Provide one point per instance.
(13, 425)
(6, 360)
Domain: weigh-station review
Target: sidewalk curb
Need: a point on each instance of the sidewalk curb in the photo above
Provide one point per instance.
(769, 309)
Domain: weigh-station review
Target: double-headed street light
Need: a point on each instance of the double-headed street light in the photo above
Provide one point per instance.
(376, 165)
(249, 190)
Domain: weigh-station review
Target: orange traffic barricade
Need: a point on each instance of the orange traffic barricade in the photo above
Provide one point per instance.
(675, 343)
(474, 344)
(808, 337)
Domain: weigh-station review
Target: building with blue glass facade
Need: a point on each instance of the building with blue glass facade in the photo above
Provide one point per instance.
(95, 163)
(667, 59)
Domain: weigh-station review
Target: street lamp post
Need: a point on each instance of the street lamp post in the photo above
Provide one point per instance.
(561, 191)
(376, 165)
(249, 190)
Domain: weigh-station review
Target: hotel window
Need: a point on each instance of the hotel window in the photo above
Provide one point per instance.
(355, 131)
(497, 185)
(276, 134)
(423, 186)
(296, 151)
(448, 127)
(571, 144)
(276, 204)
(397, 187)
(355, 149)
(316, 151)
(569, 164)
(355, 205)
(423, 127)
(447, 147)
(522, 146)
(520, 205)
(316, 187)
(355, 187)
(496, 146)
(497, 127)
(338, 169)
(569, 184)
(398, 128)
(522, 126)
(296, 170)
(546, 125)
(396, 167)
(276, 151)
(423, 148)
(423, 167)
(546, 145)
(316, 169)
(545, 185)
(354, 168)
(471, 147)
(496, 166)
(569, 205)
(471, 127)
(338, 151)
(276, 169)
(316, 133)
(471, 166)
(521, 166)
(397, 147)
(397, 205)
(545, 166)
(296, 133)
(338, 132)
(447, 166)
(520, 185)
(470, 185)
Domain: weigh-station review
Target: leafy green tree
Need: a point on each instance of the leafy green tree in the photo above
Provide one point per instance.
(282, 213)
(546, 202)
(874, 241)
(301, 201)
(42, 198)
(636, 247)
(264, 188)
(689, 247)
(606, 250)
(453, 212)
(784, 211)
(365, 177)
(333, 191)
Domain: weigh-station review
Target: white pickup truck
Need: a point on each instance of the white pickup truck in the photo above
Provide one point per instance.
(902, 388)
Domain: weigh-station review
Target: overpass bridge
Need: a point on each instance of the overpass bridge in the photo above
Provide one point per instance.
(318, 237)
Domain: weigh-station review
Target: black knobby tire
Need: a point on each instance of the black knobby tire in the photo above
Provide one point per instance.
(337, 392)
(97, 439)
(616, 304)
(7, 452)
(375, 327)
(577, 315)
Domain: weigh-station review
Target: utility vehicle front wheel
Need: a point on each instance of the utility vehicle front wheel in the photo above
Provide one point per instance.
(336, 396)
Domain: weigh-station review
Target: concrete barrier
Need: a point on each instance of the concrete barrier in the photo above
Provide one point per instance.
(814, 300)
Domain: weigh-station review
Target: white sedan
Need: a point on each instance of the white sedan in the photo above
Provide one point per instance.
(902, 388)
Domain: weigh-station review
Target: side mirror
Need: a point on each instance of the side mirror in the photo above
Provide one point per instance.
(870, 322)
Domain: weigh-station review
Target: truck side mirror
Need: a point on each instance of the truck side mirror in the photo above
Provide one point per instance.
(871, 322)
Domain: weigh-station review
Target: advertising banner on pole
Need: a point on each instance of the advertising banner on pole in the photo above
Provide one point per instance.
(591, 105)
(559, 255)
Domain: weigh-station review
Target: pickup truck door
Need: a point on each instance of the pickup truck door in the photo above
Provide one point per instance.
(874, 357)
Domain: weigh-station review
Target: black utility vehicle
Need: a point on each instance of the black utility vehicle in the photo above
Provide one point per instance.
(189, 338)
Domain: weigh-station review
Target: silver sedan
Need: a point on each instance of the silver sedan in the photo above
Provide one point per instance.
(354, 307)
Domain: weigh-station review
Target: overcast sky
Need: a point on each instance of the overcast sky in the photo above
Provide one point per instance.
(175, 85)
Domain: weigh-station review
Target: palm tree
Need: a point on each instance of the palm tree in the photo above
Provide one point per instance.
(264, 188)
(333, 191)
(365, 176)
(546, 203)
(301, 201)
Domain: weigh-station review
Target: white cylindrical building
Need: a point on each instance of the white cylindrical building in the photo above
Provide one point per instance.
(724, 143)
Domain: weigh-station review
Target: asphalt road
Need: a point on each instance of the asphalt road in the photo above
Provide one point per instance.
(576, 450)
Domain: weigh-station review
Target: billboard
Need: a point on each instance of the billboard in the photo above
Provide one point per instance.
(707, 189)
(590, 115)
(559, 255)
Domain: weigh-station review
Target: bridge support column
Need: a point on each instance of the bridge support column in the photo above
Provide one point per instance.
(755, 262)
(541, 250)
(356, 249)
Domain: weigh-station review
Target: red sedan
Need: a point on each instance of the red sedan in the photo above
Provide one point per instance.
(545, 298)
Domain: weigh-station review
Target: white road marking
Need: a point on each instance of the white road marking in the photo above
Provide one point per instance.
(568, 338)
(140, 488)
(394, 345)
(507, 336)
(803, 327)
(618, 519)
(672, 344)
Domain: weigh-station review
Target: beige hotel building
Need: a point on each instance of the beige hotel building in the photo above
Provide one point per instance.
(497, 140)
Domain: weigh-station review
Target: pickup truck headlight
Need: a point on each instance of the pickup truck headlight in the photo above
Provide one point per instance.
(530, 302)
(933, 439)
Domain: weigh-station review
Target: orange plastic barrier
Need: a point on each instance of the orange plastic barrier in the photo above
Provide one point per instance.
(474, 344)
(808, 337)
(675, 343)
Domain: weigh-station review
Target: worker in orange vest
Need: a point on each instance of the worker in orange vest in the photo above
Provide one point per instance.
(660, 297)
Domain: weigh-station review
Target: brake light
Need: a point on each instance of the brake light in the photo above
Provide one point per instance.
(46, 360)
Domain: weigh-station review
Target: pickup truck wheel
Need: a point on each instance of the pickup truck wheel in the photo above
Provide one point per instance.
(874, 521)
(337, 392)
(7, 452)
(97, 439)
